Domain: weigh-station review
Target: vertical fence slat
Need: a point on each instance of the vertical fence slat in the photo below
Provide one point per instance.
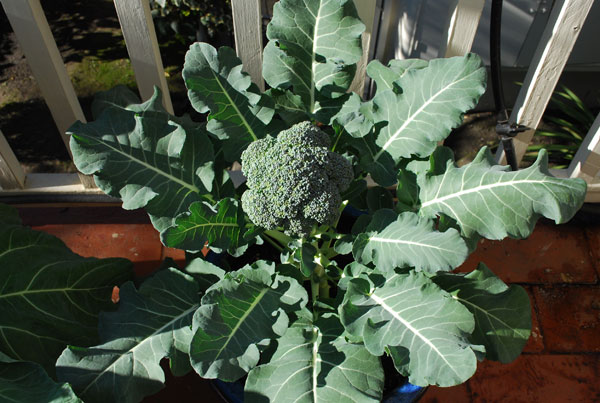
(35, 38)
(461, 27)
(247, 26)
(366, 12)
(142, 46)
(11, 173)
(586, 163)
(548, 62)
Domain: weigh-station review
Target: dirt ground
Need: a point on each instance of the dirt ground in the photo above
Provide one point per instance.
(90, 41)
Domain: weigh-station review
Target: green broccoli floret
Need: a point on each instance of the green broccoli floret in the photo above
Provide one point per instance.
(294, 181)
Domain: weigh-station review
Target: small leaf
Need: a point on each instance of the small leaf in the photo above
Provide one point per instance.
(410, 312)
(216, 83)
(407, 191)
(205, 273)
(502, 313)
(313, 47)
(379, 198)
(314, 363)
(385, 77)
(22, 381)
(392, 241)
(221, 226)
(118, 97)
(289, 106)
(238, 316)
(305, 254)
(488, 200)
(150, 324)
(356, 116)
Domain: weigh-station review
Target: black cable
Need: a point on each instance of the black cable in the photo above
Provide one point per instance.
(506, 130)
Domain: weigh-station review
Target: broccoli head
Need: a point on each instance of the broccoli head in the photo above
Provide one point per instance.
(294, 181)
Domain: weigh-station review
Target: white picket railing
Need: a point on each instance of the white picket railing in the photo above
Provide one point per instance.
(31, 28)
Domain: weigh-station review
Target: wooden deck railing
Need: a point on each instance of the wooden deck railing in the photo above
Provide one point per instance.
(31, 28)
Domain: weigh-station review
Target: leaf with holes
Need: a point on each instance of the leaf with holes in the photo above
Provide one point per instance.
(392, 241)
(217, 84)
(151, 324)
(146, 157)
(489, 200)
(427, 104)
(313, 363)
(222, 227)
(22, 381)
(502, 313)
(238, 316)
(314, 46)
(49, 296)
(410, 312)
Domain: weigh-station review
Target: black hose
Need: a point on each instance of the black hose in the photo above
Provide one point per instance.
(503, 128)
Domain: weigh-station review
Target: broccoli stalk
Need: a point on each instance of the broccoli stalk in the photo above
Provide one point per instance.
(294, 181)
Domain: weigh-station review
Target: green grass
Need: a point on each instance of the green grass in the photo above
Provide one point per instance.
(93, 75)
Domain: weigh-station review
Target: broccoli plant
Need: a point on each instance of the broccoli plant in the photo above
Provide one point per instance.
(340, 244)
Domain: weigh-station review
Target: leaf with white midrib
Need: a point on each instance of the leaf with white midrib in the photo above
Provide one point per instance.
(490, 201)
(221, 227)
(313, 47)
(392, 241)
(217, 84)
(313, 363)
(146, 157)
(431, 102)
(238, 315)
(152, 323)
(502, 313)
(409, 312)
(50, 297)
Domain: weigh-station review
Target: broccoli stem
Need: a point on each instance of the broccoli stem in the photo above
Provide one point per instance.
(280, 237)
(273, 243)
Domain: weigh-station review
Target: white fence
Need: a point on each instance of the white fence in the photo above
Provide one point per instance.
(31, 28)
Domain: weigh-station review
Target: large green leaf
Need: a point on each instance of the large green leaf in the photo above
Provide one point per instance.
(313, 47)
(49, 296)
(152, 323)
(490, 201)
(146, 157)
(410, 314)
(392, 241)
(427, 104)
(314, 363)
(238, 316)
(216, 83)
(22, 381)
(502, 313)
(221, 226)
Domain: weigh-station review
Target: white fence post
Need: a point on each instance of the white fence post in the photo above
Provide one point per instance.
(461, 27)
(366, 12)
(247, 27)
(548, 62)
(33, 33)
(586, 163)
(11, 173)
(142, 46)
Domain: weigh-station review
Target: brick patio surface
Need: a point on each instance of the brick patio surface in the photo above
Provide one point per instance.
(559, 266)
